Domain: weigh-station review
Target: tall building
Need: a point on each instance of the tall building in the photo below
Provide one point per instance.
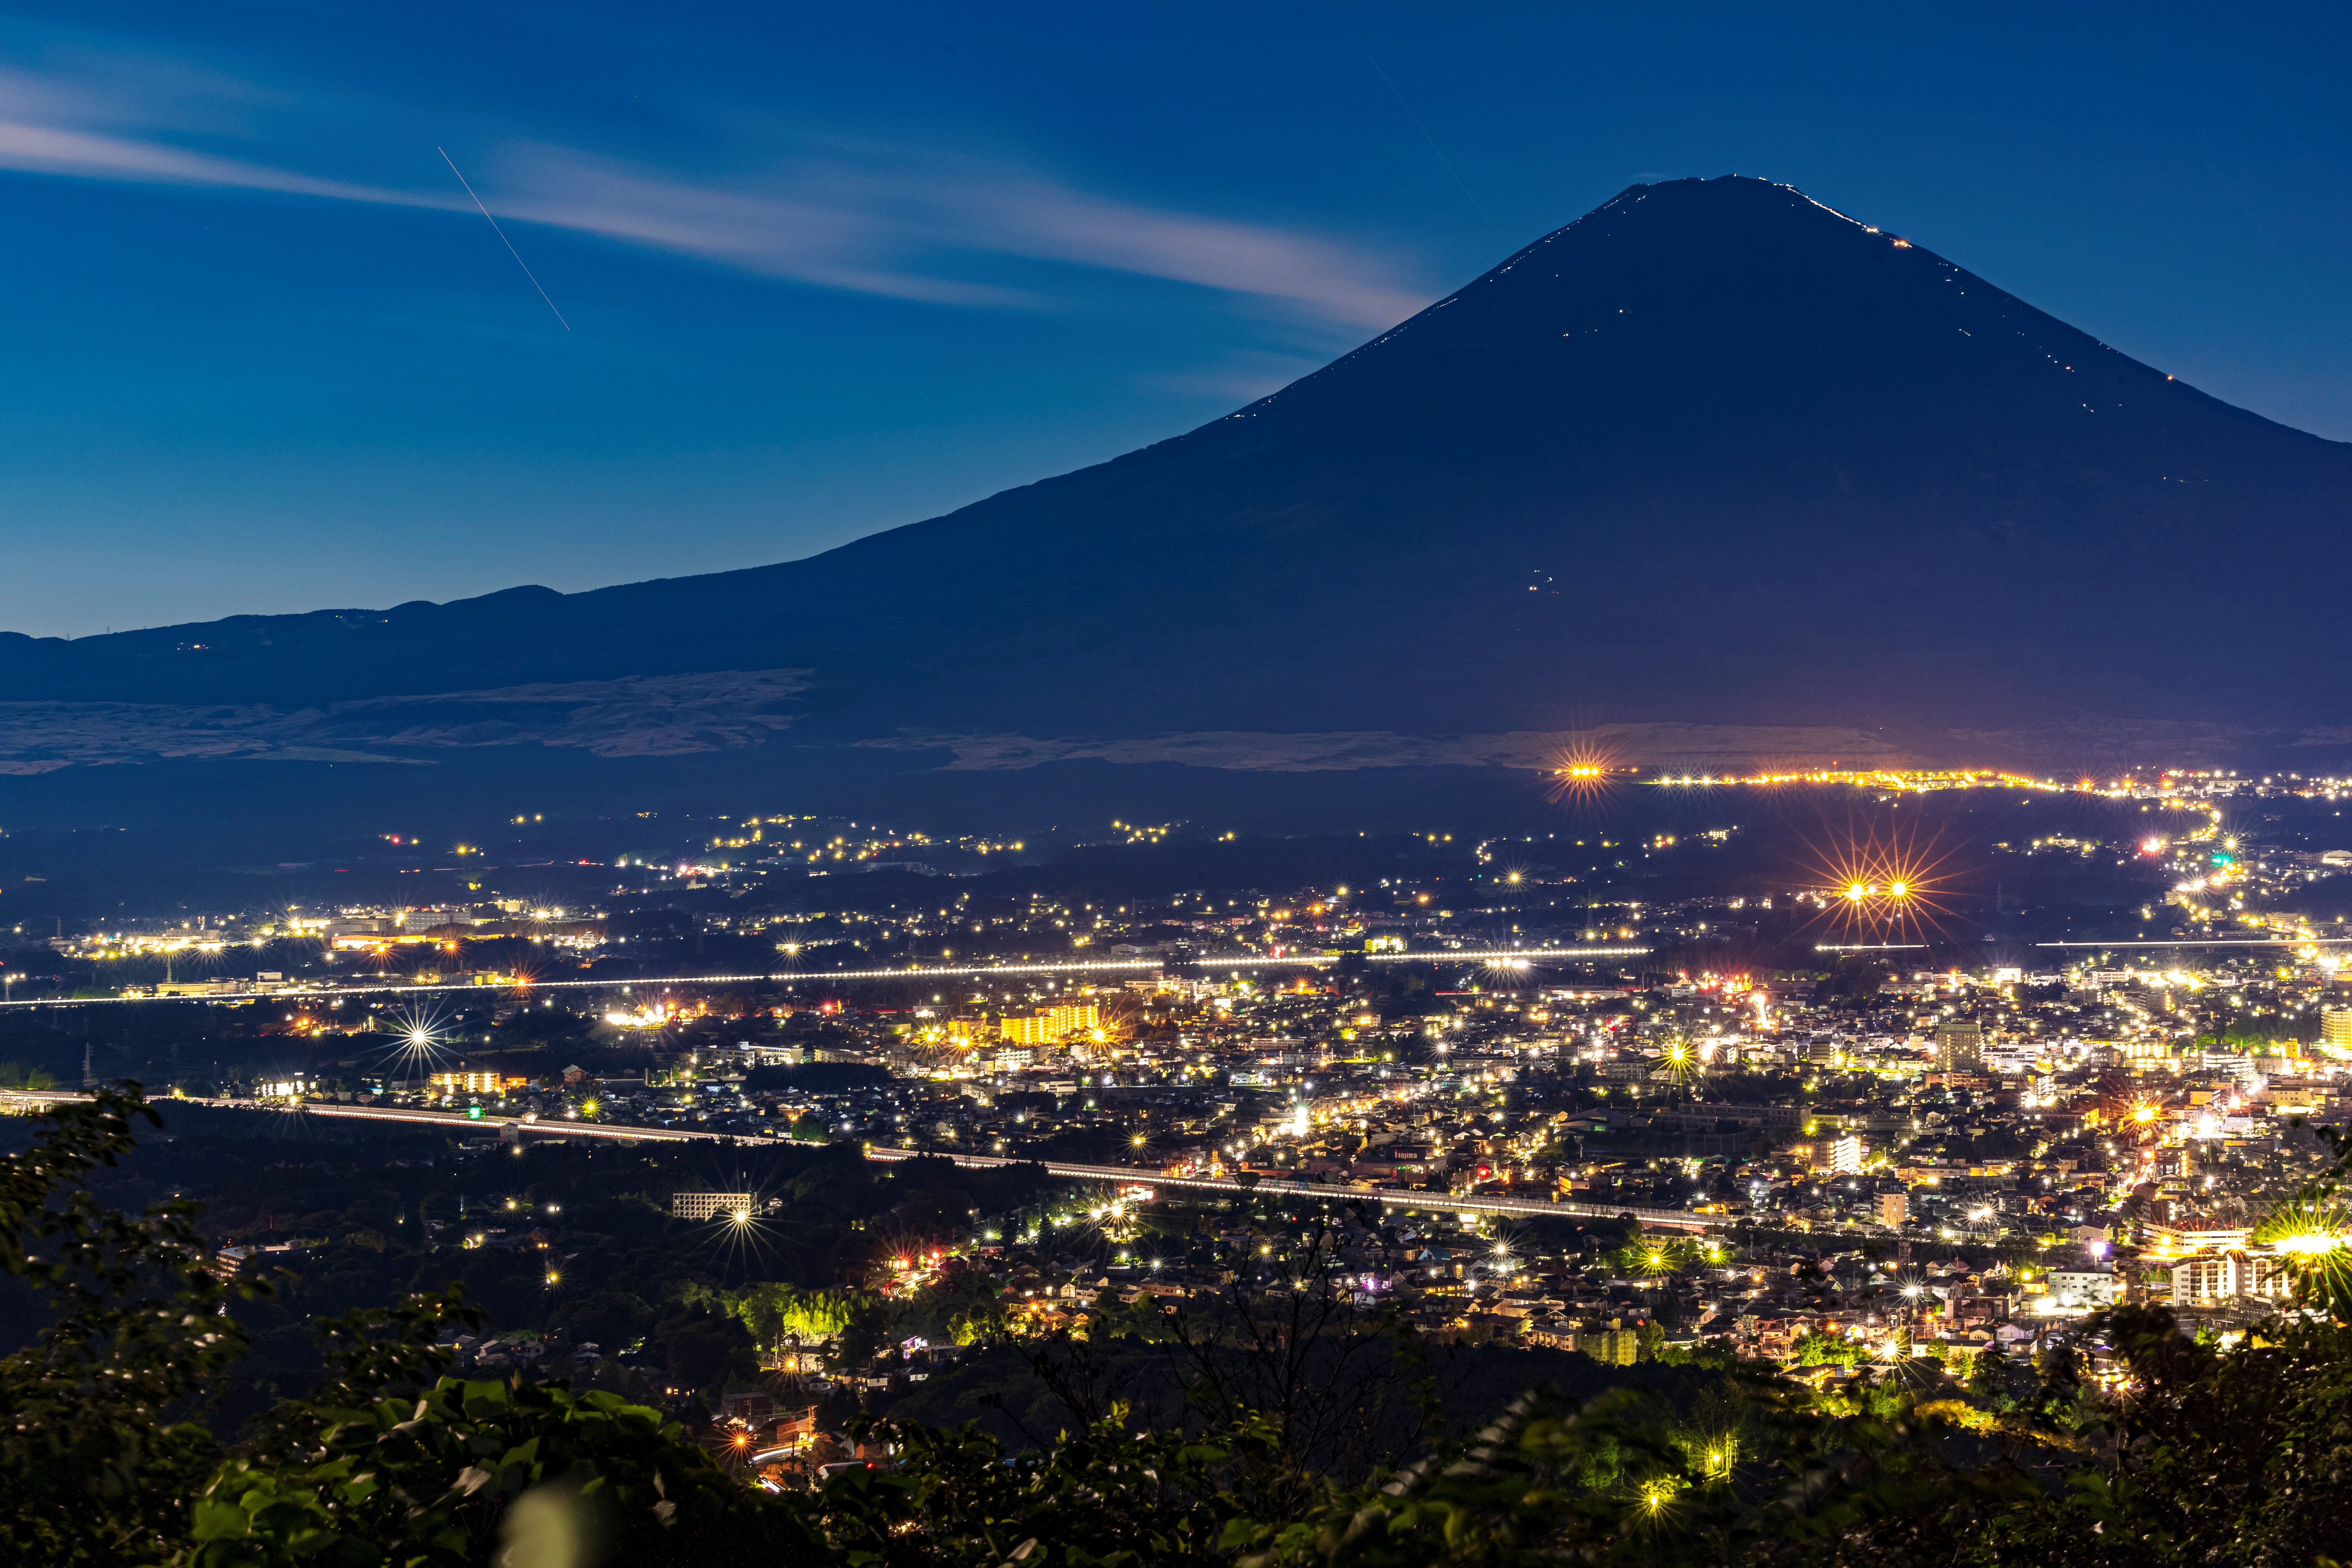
(1035, 1030)
(1846, 1155)
(2335, 1028)
(2214, 1278)
(1960, 1045)
(1894, 1208)
(1069, 1017)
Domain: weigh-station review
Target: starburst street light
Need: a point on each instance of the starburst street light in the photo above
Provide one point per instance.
(1878, 884)
(2309, 1244)
(419, 1044)
(1681, 1061)
(1583, 774)
(2314, 1240)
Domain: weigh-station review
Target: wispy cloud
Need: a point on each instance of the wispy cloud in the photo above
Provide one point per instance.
(894, 221)
(908, 223)
(106, 126)
(837, 227)
(51, 149)
(1036, 218)
(1243, 375)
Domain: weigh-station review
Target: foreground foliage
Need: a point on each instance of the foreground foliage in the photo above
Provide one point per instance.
(2172, 1451)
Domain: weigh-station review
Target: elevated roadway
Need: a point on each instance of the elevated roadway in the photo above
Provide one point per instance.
(1495, 958)
(1403, 1198)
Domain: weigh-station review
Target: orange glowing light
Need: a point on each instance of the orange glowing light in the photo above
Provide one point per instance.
(1879, 883)
(1582, 770)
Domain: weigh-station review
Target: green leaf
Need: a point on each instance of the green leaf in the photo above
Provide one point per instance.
(214, 1519)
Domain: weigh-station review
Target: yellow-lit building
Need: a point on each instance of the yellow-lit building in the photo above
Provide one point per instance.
(2335, 1029)
(475, 1082)
(2181, 1239)
(1048, 1025)
(1615, 1346)
(1035, 1030)
(1069, 1017)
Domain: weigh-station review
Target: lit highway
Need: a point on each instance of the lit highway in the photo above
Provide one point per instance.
(1511, 958)
(1389, 1198)
(2212, 941)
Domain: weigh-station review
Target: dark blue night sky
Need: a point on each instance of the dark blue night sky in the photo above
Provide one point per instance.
(831, 269)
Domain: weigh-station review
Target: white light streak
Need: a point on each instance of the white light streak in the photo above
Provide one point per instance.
(1497, 957)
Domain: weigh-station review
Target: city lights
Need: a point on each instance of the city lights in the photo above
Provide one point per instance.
(1438, 1053)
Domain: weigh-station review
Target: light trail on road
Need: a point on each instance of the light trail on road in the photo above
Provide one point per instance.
(2215, 941)
(1387, 1197)
(1494, 957)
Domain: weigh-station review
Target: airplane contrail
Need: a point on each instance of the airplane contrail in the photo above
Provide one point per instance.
(502, 238)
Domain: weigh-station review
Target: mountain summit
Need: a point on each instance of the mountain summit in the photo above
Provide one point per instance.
(1714, 454)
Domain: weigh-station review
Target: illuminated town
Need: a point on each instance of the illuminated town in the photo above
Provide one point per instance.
(1562, 1096)
(929, 789)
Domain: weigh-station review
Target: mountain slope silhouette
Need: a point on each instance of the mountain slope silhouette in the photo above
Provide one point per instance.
(1712, 453)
